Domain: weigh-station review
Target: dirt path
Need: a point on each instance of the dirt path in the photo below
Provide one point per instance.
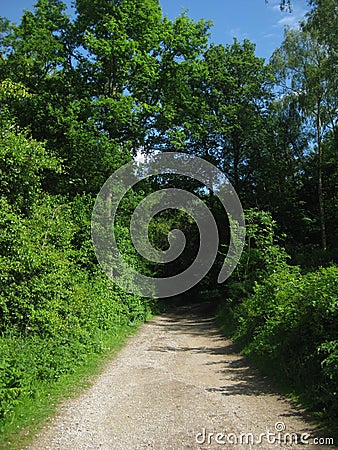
(177, 381)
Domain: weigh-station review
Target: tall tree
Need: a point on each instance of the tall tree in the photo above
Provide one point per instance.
(323, 21)
(235, 89)
(304, 72)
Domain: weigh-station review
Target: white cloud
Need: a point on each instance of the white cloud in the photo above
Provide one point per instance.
(234, 32)
(286, 18)
(276, 7)
(270, 35)
(237, 33)
(291, 19)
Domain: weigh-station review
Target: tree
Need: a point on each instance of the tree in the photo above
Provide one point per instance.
(175, 101)
(84, 110)
(233, 94)
(304, 72)
(323, 21)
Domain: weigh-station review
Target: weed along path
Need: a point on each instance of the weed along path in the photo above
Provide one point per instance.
(178, 384)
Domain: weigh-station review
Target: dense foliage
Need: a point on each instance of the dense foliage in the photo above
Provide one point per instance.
(83, 94)
(284, 315)
(285, 320)
(56, 305)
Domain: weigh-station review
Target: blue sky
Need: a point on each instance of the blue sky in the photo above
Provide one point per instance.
(252, 19)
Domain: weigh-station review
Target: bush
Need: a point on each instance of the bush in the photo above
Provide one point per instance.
(261, 256)
(289, 327)
(56, 305)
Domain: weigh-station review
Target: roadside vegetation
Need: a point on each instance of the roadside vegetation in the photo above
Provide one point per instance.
(285, 319)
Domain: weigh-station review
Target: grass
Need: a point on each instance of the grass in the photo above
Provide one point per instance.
(32, 414)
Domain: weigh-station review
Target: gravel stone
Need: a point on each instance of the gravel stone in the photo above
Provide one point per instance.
(176, 377)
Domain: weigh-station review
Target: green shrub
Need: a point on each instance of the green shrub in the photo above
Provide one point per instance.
(289, 327)
(56, 305)
(261, 256)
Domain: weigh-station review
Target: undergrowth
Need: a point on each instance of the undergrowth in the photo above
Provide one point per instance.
(285, 321)
(35, 407)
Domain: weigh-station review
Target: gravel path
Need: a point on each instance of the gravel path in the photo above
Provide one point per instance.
(176, 382)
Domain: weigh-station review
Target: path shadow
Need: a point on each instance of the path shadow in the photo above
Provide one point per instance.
(244, 379)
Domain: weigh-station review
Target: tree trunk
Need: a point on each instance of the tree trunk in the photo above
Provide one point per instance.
(236, 150)
(320, 181)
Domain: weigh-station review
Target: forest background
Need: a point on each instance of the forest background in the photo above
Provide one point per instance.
(82, 95)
